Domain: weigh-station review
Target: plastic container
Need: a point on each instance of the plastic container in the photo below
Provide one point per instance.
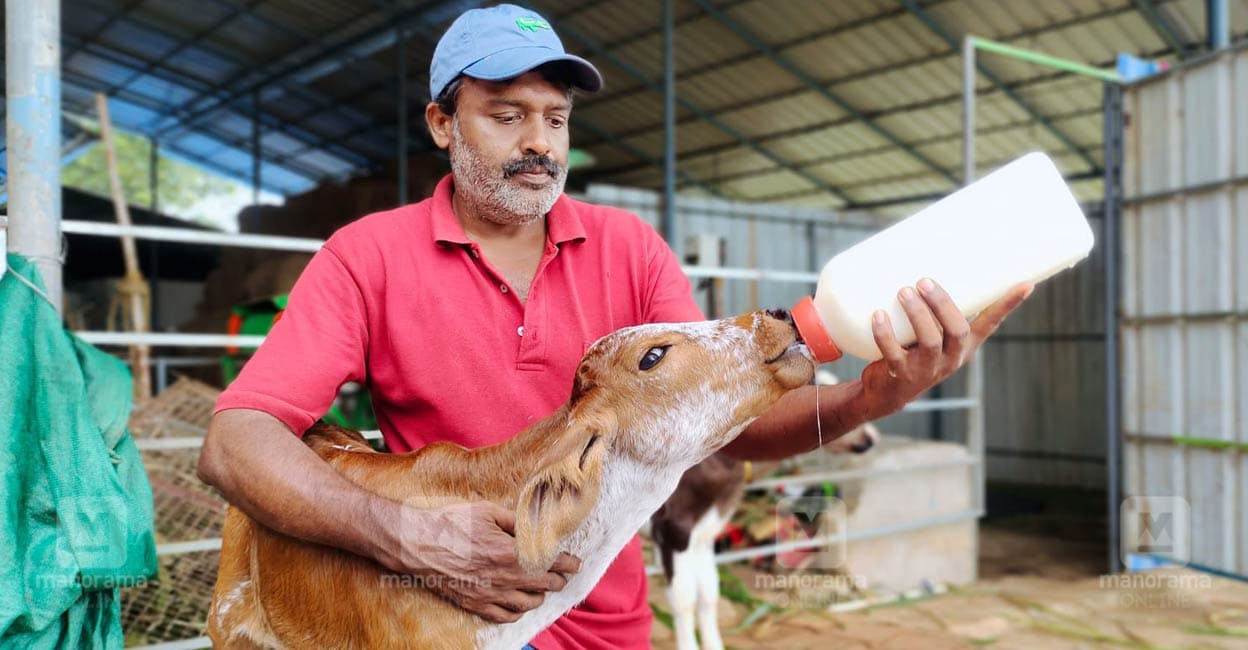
(1020, 223)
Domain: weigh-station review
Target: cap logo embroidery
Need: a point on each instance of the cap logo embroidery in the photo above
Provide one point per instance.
(531, 24)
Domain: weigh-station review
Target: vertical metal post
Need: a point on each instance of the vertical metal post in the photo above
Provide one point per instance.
(1218, 19)
(975, 370)
(153, 246)
(162, 374)
(32, 34)
(1111, 220)
(400, 45)
(968, 110)
(669, 123)
(153, 175)
(812, 252)
(255, 148)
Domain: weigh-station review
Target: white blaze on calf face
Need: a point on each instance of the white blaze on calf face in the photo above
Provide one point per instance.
(710, 379)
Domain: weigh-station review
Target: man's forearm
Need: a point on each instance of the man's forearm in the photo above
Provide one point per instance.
(790, 428)
(262, 469)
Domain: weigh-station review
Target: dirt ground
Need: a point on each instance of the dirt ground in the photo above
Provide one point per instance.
(1041, 587)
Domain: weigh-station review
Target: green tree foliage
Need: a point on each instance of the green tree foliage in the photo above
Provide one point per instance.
(180, 185)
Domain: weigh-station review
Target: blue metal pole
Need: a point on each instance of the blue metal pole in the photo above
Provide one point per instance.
(256, 157)
(1219, 19)
(33, 128)
(1112, 216)
(669, 125)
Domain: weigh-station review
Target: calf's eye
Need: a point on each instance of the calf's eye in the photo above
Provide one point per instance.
(652, 357)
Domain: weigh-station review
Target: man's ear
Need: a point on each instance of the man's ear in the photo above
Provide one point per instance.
(440, 125)
(559, 497)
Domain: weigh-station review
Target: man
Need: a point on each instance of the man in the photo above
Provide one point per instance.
(467, 314)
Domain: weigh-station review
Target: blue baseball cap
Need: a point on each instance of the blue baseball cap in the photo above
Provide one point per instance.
(500, 43)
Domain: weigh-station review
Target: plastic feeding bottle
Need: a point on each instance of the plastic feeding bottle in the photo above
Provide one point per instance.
(1020, 223)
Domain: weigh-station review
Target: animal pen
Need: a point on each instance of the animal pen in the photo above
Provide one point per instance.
(1151, 329)
(771, 255)
(739, 257)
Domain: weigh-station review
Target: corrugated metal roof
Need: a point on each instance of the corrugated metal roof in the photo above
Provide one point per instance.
(323, 72)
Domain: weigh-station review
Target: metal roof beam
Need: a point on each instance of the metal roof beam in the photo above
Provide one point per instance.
(875, 151)
(148, 24)
(599, 50)
(179, 77)
(225, 140)
(109, 20)
(185, 40)
(745, 56)
(654, 161)
(811, 84)
(182, 46)
(1162, 25)
(307, 67)
(241, 177)
(864, 74)
(222, 96)
(934, 196)
(270, 122)
(955, 44)
(838, 122)
(797, 194)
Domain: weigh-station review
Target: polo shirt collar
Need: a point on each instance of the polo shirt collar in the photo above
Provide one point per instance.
(563, 222)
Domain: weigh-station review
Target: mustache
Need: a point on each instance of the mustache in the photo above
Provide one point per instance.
(531, 163)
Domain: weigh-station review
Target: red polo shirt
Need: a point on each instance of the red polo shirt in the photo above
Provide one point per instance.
(404, 301)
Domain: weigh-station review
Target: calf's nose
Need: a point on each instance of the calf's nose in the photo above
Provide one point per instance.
(784, 316)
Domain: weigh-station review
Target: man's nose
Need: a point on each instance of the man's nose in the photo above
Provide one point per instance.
(536, 139)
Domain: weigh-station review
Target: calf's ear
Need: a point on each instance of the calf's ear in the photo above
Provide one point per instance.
(559, 497)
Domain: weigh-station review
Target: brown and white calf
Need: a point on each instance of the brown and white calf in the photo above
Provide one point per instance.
(647, 404)
(684, 530)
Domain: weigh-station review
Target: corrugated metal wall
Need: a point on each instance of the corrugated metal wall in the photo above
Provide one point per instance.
(1185, 298)
(1044, 388)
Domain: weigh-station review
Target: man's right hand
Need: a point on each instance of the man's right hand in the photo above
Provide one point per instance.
(466, 553)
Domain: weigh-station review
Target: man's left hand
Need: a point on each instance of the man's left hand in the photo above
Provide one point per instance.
(945, 342)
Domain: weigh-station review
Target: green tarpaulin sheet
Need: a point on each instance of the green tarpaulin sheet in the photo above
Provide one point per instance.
(77, 521)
